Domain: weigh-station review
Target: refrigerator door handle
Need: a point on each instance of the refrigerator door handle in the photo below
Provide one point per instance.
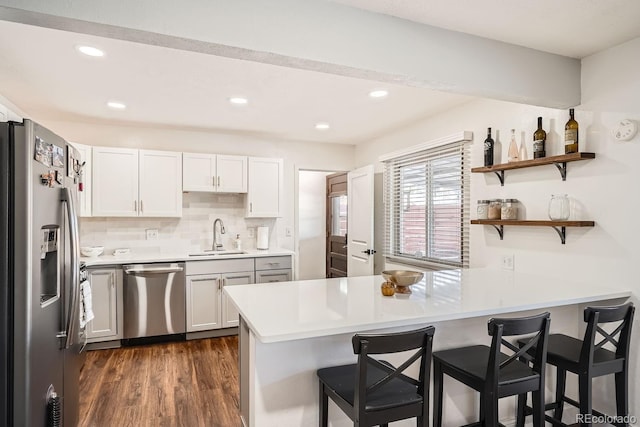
(74, 246)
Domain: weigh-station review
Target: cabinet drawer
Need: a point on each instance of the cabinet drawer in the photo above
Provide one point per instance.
(273, 262)
(270, 276)
(219, 266)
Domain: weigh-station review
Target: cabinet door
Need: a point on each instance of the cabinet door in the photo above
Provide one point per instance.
(269, 276)
(203, 302)
(232, 174)
(104, 299)
(229, 313)
(115, 182)
(264, 198)
(160, 183)
(84, 195)
(198, 172)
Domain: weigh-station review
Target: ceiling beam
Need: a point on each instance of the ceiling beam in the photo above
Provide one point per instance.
(321, 36)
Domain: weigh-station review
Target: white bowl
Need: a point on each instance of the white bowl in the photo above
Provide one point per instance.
(91, 251)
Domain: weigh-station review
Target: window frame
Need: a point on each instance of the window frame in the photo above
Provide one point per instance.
(393, 212)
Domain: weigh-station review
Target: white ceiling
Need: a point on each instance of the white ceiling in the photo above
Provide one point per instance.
(574, 28)
(45, 76)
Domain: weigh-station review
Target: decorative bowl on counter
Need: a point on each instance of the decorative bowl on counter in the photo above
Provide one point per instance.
(402, 279)
(91, 251)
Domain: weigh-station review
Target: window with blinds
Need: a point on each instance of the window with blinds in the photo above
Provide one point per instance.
(426, 196)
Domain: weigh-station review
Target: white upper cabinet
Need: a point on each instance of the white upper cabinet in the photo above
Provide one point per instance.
(115, 182)
(264, 191)
(232, 174)
(214, 173)
(198, 172)
(160, 183)
(129, 182)
(85, 194)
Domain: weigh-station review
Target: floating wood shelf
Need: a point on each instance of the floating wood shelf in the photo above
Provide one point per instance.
(559, 226)
(560, 162)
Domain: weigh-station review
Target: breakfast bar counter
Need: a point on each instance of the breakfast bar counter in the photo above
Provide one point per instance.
(288, 330)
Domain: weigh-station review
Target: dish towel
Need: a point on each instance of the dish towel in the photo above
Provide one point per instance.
(86, 307)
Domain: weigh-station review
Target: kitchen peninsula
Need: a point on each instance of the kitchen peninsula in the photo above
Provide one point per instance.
(288, 330)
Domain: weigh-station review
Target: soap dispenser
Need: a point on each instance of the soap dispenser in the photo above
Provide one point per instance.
(238, 243)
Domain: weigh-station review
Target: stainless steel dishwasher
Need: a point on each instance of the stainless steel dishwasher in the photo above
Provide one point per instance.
(154, 300)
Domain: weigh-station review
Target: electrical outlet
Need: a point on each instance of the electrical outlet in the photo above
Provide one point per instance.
(508, 262)
(152, 234)
(287, 232)
(251, 232)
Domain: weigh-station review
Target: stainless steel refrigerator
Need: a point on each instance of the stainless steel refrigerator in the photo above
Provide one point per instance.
(41, 337)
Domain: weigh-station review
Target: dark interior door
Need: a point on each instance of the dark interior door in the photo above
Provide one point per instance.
(337, 225)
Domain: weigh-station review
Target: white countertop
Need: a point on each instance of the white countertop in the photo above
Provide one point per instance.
(177, 257)
(305, 309)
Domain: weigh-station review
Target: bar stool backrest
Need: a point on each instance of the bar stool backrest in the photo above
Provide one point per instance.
(365, 345)
(499, 328)
(619, 339)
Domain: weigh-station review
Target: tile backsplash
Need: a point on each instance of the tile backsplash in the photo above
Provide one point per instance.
(193, 232)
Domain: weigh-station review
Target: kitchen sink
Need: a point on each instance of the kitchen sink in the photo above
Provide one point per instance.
(217, 253)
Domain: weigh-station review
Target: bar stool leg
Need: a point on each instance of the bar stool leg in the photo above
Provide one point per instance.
(522, 403)
(622, 394)
(538, 408)
(489, 402)
(584, 392)
(324, 406)
(561, 381)
(437, 394)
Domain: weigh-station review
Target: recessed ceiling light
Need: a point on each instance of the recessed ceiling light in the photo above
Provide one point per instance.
(379, 93)
(116, 105)
(90, 50)
(322, 126)
(238, 100)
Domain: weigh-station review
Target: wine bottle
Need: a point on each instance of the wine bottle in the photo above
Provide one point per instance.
(488, 149)
(539, 141)
(571, 134)
(513, 148)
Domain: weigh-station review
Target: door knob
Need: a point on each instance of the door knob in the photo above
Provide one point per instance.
(369, 251)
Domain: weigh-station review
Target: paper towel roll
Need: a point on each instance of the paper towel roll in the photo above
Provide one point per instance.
(262, 238)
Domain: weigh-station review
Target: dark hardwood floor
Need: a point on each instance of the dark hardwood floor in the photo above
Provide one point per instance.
(188, 383)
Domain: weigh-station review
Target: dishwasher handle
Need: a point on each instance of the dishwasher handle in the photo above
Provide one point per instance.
(152, 270)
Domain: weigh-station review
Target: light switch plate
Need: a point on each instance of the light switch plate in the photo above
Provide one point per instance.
(251, 232)
(508, 262)
(152, 234)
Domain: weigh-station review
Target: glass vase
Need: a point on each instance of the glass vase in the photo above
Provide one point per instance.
(559, 207)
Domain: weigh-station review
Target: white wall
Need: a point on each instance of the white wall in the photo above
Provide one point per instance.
(603, 189)
(304, 155)
(312, 224)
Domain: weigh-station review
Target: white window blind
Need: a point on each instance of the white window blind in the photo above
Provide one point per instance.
(426, 196)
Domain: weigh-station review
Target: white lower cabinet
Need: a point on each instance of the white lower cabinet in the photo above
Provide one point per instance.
(207, 306)
(273, 269)
(106, 298)
(230, 315)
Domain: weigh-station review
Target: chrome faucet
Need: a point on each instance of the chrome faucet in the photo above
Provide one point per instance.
(217, 246)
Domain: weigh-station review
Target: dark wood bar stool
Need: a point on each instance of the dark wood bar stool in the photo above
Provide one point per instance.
(588, 359)
(374, 392)
(493, 373)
